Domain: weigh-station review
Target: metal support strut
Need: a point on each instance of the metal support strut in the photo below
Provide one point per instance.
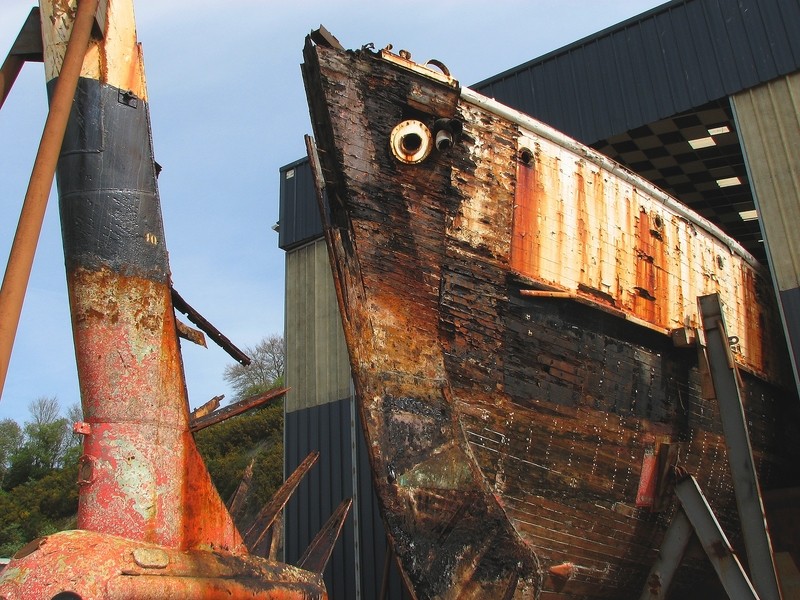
(695, 515)
(740, 454)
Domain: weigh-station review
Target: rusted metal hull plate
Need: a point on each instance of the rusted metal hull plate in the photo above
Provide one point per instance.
(152, 523)
(94, 565)
(580, 228)
(511, 431)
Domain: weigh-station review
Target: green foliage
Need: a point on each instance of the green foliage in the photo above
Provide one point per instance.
(40, 446)
(38, 507)
(265, 371)
(10, 442)
(39, 469)
(267, 478)
(228, 448)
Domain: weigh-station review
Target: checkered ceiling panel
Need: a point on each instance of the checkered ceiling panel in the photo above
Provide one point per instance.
(703, 176)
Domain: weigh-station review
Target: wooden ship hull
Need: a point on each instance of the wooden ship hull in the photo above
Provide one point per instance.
(521, 317)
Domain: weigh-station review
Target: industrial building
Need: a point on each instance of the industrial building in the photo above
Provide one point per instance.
(701, 97)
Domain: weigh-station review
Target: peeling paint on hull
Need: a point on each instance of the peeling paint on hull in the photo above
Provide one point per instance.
(86, 564)
(507, 305)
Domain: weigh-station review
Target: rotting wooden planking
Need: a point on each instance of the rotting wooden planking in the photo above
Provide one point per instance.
(507, 431)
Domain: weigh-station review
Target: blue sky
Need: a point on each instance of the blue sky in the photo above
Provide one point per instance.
(228, 110)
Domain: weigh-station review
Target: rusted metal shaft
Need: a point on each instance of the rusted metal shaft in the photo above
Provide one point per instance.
(150, 522)
(141, 475)
(23, 248)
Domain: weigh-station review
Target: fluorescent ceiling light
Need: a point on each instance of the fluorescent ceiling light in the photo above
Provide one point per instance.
(748, 215)
(719, 130)
(702, 142)
(729, 181)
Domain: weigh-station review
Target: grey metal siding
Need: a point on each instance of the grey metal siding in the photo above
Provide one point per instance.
(327, 428)
(768, 122)
(317, 365)
(319, 417)
(663, 62)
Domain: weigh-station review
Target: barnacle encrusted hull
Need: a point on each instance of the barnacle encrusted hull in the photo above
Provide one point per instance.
(520, 314)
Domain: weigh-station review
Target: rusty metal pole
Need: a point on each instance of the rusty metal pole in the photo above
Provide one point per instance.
(23, 248)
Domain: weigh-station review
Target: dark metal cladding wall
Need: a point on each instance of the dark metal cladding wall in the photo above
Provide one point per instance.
(299, 214)
(327, 428)
(665, 61)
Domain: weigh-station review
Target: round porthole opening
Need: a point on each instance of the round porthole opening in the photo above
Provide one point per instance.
(410, 141)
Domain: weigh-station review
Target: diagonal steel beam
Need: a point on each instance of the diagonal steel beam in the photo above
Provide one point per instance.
(266, 517)
(670, 555)
(740, 454)
(316, 556)
(717, 547)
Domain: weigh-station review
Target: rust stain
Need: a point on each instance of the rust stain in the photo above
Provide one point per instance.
(615, 245)
(525, 230)
(582, 225)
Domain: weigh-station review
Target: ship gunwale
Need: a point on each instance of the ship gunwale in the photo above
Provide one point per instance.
(610, 165)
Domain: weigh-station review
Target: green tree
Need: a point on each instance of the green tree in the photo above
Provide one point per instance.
(10, 442)
(39, 495)
(47, 442)
(265, 372)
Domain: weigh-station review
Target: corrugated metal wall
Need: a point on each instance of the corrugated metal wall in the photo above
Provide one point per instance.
(317, 367)
(768, 121)
(663, 62)
(298, 214)
(320, 415)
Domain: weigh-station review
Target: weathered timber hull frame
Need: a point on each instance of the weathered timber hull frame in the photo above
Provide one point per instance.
(511, 338)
